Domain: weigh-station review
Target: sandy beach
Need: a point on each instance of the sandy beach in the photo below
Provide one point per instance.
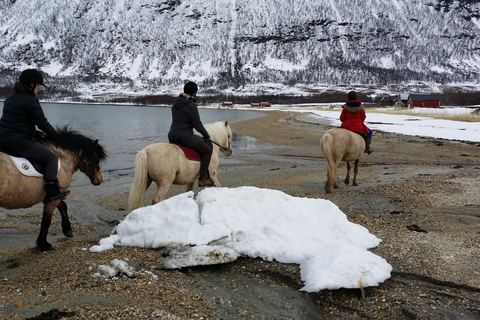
(419, 195)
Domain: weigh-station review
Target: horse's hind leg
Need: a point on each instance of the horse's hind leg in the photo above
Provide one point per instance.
(42, 243)
(355, 171)
(162, 189)
(347, 178)
(66, 226)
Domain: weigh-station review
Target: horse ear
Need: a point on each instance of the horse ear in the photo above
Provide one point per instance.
(95, 143)
(226, 123)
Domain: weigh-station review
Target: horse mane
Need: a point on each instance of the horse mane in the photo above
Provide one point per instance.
(76, 142)
(216, 130)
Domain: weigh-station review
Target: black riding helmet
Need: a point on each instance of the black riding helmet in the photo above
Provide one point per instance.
(31, 76)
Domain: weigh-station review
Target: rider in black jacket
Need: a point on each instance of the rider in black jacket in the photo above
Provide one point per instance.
(185, 118)
(21, 114)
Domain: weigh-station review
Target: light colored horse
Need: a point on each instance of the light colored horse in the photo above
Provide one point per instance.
(166, 164)
(341, 145)
(75, 152)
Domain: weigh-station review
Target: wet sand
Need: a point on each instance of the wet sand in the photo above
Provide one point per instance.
(419, 195)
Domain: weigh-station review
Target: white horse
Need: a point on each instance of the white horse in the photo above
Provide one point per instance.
(341, 145)
(166, 164)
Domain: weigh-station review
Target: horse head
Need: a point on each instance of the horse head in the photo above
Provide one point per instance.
(89, 152)
(91, 166)
(227, 149)
(220, 135)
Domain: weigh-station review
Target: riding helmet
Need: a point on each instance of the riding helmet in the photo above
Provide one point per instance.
(31, 76)
(190, 88)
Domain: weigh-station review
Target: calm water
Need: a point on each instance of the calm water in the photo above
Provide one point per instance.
(122, 131)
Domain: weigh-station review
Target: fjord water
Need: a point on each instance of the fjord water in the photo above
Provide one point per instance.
(123, 131)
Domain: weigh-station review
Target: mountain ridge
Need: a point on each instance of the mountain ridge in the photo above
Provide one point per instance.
(145, 45)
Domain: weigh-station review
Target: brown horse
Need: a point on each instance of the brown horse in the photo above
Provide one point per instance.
(166, 164)
(341, 145)
(75, 152)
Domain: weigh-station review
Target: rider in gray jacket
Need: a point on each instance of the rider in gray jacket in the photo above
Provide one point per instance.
(185, 118)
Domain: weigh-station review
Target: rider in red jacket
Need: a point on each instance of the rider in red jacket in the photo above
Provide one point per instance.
(353, 116)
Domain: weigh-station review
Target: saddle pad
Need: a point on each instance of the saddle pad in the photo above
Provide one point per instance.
(26, 168)
(190, 154)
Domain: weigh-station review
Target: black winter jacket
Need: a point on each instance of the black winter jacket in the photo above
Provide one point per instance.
(186, 118)
(21, 113)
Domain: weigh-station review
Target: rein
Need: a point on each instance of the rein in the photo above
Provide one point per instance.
(221, 147)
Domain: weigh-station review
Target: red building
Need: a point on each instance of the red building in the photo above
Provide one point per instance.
(265, 104)
(424, 100)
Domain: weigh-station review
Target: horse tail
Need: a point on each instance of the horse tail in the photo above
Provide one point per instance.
(139, 186)
(327, 148)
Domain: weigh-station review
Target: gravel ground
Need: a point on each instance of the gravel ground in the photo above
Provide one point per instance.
(419, 195)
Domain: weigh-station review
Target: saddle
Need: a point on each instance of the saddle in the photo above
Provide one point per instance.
(364, 135)
(190, 154)
(30, 168)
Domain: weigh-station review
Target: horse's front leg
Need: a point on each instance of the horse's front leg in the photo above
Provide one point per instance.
(347, 179)
(355, 171)
(48, 208)
(215, 180)
(66, 226)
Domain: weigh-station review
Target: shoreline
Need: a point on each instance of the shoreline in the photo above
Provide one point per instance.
(409, 184)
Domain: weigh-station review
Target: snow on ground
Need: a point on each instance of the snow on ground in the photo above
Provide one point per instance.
(223, 224)
(421, 125)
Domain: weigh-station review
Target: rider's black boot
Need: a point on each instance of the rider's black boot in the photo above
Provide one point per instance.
(367, 146)
(53, 190)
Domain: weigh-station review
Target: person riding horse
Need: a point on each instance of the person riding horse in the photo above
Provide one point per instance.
(22, 113)
(352, 118)
(185, 118)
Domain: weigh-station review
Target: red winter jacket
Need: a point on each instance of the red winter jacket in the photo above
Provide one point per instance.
(352, 117)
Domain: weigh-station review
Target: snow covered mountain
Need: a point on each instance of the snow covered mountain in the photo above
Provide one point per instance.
(149, 44)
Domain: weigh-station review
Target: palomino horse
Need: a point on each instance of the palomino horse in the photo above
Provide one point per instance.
(341, 145)
(75, 152)
(166, 164)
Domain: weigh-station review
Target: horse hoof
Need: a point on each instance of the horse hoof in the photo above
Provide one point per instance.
(47, 247)
(68, 233)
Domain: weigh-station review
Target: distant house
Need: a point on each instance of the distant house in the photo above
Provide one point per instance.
(403, 97)
(423, 100)
(401, 101)
(227, 104)
(265, 104)
(255, 104)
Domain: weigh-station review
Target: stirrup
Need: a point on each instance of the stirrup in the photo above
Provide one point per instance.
(61, 195)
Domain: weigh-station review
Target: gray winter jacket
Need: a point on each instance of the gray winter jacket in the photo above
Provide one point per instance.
(186, 118)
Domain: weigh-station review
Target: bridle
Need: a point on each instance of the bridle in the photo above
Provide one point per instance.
(95, 168)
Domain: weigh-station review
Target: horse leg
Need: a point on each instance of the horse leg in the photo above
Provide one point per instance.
(190, 186)
(215, 180)
(347, 178)
(162, 189)
(355, 171)
(42, 243)
(66, 226)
